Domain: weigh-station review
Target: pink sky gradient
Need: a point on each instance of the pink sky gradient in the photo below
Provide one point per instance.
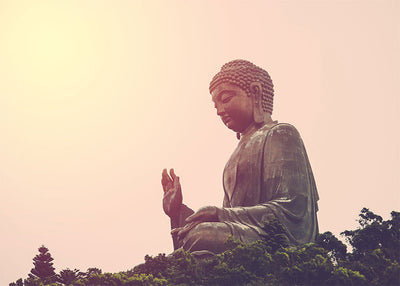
(97, 97)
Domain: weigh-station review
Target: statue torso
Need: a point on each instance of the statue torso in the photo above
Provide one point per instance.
(243, 169)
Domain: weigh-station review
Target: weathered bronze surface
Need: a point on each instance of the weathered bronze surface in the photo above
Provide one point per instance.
(268, 175)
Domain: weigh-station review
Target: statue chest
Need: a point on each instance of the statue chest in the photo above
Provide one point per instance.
(230, 172)
(242, 173)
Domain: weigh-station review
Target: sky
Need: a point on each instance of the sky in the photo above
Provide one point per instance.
(97, 97)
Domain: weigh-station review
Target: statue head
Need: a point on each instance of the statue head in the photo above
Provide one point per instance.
(250, 80)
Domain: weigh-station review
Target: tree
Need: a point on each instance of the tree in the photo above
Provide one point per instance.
(336, 249)
(68, 276)
(43, 269)
(374, 233)
(92, 270)
(19, 282)
(376, 248)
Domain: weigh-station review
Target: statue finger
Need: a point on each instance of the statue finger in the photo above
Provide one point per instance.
(172, 173)
(186, 229)
(166, 181)
(163, 185)
(182, 232)
(193, 217)
(176, 182)
(176, 230)
(165, 176)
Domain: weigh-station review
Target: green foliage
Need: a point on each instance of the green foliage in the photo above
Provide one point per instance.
(93, 270)
(336, 249)
(68, 276)
(121, 278)
(32, 281)
(344, 276)
(179, 268)
(374, 260)
(376, 248)
(375, 233)
(19, 282)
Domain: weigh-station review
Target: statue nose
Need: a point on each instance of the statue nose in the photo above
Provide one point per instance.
(220, 111)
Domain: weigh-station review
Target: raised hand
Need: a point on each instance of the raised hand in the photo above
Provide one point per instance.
(172, 199)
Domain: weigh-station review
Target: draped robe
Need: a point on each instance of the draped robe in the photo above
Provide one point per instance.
(268, 175)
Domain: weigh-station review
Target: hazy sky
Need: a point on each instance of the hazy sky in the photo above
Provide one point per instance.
(97, 97)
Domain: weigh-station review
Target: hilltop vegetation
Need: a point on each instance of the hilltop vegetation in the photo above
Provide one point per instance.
(373, 260)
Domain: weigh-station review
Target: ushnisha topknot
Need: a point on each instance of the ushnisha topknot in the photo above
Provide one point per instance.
(242, 73)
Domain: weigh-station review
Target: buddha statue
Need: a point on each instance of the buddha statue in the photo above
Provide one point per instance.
(267, 176)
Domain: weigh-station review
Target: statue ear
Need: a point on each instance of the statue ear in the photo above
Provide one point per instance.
(256, 92)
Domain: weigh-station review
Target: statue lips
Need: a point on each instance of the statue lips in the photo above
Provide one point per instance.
(226, 119)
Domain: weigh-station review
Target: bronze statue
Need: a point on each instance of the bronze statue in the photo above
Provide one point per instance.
(267, 176)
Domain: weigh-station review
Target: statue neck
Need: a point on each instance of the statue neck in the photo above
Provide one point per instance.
(253, 127)
(250, 129)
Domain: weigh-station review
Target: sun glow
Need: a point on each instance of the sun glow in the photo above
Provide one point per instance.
(50, 52)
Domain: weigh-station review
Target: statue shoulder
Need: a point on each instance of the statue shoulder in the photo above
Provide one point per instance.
(274, 131)
(283, 129)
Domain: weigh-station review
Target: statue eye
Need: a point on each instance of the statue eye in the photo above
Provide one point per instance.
(226, 99)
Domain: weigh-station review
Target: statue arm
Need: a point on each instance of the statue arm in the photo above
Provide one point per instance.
(179, 219)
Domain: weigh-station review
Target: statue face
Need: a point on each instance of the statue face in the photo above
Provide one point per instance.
(233, 106)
